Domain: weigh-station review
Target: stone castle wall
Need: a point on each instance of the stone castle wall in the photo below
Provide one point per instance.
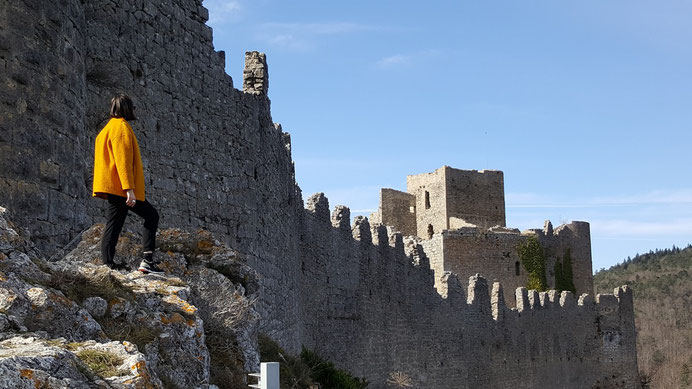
(466, 250)
(576, 237)
(214, 159)
(396, 209)
(431, 201)
(370, 304)
(42, 116)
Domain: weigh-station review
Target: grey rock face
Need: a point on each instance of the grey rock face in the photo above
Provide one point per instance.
(154, 327)
(96, 306)
(35, 307)
(31, 362)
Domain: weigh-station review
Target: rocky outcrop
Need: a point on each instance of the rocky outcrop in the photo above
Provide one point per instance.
(77, 323)
(34, 362)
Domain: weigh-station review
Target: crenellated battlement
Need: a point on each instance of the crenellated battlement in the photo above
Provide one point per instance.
(612, 308)
(384, 297)
(392, 246)
(383, 285)
(255, 74)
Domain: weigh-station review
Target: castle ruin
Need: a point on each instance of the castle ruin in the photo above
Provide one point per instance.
(358, 293)
(459, 218)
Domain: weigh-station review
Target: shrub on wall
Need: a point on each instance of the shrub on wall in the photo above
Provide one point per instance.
(293, 373)
(306, 370)
(532, 257)
(327, 375)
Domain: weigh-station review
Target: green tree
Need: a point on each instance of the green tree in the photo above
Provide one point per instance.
(559, 281)
(567, 272)
(564, 276)
(327, 375)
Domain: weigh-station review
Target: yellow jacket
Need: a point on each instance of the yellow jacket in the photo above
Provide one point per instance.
(117, 162)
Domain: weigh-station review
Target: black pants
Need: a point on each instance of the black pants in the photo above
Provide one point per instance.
(115, 219)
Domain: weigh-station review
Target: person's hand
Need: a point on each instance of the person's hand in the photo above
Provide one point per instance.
(131, 200)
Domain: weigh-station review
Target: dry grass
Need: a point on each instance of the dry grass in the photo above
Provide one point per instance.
(103, 363)
(77, 286)
(227, 366)
(227, 361)
(399, 379)
(120, 329)
(662, 286)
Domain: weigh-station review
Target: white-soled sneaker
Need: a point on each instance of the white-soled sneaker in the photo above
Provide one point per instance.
(150, 268)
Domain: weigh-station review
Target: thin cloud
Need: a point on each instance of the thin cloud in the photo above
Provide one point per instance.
(403, 59)
(633, 228)
(318, 28)
(394, 60)
(287, 41)
(304, 36)
(223, 11)
(680, 196)
(657, 197)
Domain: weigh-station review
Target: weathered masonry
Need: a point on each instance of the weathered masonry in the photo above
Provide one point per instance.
(357, 292)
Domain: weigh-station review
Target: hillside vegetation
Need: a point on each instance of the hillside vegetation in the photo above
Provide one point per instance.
(662, 284)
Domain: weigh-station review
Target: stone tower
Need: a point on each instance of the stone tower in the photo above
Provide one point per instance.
(459, 218)
(445, 199)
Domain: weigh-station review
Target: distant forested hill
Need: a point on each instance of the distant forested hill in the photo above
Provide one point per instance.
(662, 283)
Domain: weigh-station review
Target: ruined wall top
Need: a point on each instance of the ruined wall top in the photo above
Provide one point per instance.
(477, 197)
(443, 199)
(255, 74)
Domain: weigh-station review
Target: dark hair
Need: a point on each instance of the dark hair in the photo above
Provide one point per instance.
(122, 107)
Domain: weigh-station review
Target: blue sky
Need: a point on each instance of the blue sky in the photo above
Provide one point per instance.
(584, 105)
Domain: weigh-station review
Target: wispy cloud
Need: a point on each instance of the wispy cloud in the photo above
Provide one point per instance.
(635, 228)
(391, 61)
(656, 197)
(303, 36)
(403, 59)
(223, 11)
(318, 28)
(656, 213)
(679, 196)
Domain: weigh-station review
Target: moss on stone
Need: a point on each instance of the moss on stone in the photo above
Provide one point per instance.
(533, 258)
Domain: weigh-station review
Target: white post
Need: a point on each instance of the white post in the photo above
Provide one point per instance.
(268, 377)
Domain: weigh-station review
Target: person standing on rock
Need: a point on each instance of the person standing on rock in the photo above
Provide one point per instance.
(119, 179)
